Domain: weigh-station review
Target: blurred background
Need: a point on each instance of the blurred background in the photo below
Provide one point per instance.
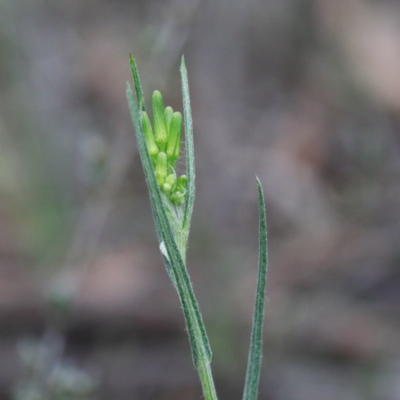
(303, 93)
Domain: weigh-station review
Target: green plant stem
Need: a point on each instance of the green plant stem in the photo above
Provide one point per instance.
(175, 216)
(172, 226)
(181, 242)
(204, 367)
(207, 381)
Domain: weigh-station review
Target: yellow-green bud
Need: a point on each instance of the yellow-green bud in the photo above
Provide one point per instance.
(168, 117)
(171, 179)
(169, 183)
(161, 168)
(177, 198)
(174, 137)
(160, 127)
(181, 184)
(148, 134)
(166, 188)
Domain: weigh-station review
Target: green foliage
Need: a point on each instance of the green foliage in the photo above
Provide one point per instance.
(187, 111)
(160, 205)
(255, 353)
(172, 200)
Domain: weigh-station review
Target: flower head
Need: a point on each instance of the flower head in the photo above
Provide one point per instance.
(164, 146)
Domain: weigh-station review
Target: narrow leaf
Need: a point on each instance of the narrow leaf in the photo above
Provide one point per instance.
(255, 353)
(147, 170)
(190, 172)
(197, 335)
(138, 85)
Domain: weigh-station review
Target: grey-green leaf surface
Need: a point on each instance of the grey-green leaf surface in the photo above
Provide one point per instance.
(200, 347)
(255, 353)
(137, 83)
(190, 171)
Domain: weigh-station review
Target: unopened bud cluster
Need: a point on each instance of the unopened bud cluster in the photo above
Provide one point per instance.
(164, 145)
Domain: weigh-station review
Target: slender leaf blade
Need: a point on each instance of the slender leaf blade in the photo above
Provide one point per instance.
(255, 353)
(138, 85)
(190, 169)
(195, 325)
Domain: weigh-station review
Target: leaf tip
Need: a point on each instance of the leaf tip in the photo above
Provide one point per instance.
(132, 62)
(128, 87)
(183, 65)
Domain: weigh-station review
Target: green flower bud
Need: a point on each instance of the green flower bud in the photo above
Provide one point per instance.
(168, 117)
(161, 167)
(171, 179)
(174, 137)
(169, 183)
(181, 184)
(166, 188)
(148, 134)
(160, 126)
(177, 198)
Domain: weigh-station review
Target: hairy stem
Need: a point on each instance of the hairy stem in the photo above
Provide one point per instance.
(207, 381)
